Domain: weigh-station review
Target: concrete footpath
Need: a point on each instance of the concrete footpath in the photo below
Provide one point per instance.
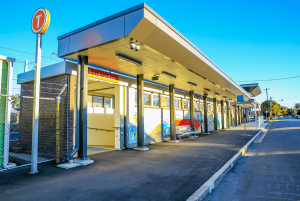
(268, 171)
(167, 172)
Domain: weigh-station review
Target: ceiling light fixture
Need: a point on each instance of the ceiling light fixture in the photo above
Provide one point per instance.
(192, 84)
(132, 43)
(128, 59)
(168, 74)
(224, 96)
(137, 46)
(207, 90)
(156, 77)
(217, 94)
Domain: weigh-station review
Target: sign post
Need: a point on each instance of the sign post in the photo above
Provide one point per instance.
(39, 25)
(240, 99)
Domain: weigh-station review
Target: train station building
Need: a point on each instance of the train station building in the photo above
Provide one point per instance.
(132, 79)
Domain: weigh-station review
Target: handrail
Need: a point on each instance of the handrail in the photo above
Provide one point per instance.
(100, 129)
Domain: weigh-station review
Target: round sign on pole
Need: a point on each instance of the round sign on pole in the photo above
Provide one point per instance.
(40, 21)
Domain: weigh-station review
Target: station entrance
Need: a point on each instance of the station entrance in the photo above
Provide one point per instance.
(103, 116)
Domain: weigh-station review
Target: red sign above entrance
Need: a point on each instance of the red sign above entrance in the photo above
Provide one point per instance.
(101, 75)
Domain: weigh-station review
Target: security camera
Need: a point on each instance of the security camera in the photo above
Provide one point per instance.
(156, 78)
(137, 46)
(132, 43)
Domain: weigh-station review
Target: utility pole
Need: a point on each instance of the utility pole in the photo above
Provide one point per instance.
(270, 108)
(267, 92)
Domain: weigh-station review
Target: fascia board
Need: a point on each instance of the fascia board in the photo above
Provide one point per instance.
(7, 58)
(48, 71)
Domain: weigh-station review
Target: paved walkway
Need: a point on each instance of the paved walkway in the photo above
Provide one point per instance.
(269, 170)
(167, 172)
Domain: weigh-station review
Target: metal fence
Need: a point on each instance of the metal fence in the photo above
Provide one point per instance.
(55, 138)
(16, 131)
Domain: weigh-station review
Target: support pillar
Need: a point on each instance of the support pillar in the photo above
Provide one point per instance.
(205, 115)
(222, 115)
(242, 114)
(140, 114)
(172, 113)
(239, 112)
(82, 152)
(247, 112)
(235, 115)
(192, 110)
(215, 115)
(228, 114)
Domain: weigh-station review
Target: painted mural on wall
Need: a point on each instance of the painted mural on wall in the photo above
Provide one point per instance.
(197, 119)
(166, 123)
(132, 129)
(132, 120)
(219, 120)
(152, 125)
(210, 121)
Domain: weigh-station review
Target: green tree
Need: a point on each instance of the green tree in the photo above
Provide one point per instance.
(15, 101)
(276, 107)
(297, 106)
(284, 110)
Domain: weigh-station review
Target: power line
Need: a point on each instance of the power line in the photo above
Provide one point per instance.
(286, 78)
(26, 53)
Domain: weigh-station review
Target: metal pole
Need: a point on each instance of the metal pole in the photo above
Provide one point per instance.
(58, 123)
(172, 111)
(205, 115)
(192, 110)
(222, 114)
(26, 66)
(82, 153)
(270, 108)
(215, 114)
(140, 110)
(245, 119)
(36, 105)
(255, 117)
(228, 114)
(235, 115)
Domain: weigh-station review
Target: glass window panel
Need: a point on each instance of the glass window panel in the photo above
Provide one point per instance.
(156, 100)
(90, 101)
(147, 99)
(176, 103)
(197, 106)
(136, 97)
(97, 101)
(107, 102)
(165, 102)
(185, 105)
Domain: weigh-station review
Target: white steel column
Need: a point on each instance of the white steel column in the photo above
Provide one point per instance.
(7, 117)
(36, 105)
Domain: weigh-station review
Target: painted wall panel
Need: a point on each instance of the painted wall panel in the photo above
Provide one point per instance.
(166, 123)
(101, 121)
(152, 125)
(132, 119)
(219, 120)
(197, 122)
(210, 119)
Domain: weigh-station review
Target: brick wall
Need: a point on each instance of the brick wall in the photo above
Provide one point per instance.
(50, 88)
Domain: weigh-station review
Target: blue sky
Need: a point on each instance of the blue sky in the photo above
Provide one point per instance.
(249, 40)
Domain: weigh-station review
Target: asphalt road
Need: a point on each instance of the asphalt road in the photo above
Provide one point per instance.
(269, 171)
(167, 172)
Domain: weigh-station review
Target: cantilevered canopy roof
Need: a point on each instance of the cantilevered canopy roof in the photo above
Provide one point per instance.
(253, 89)
(163, 48)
